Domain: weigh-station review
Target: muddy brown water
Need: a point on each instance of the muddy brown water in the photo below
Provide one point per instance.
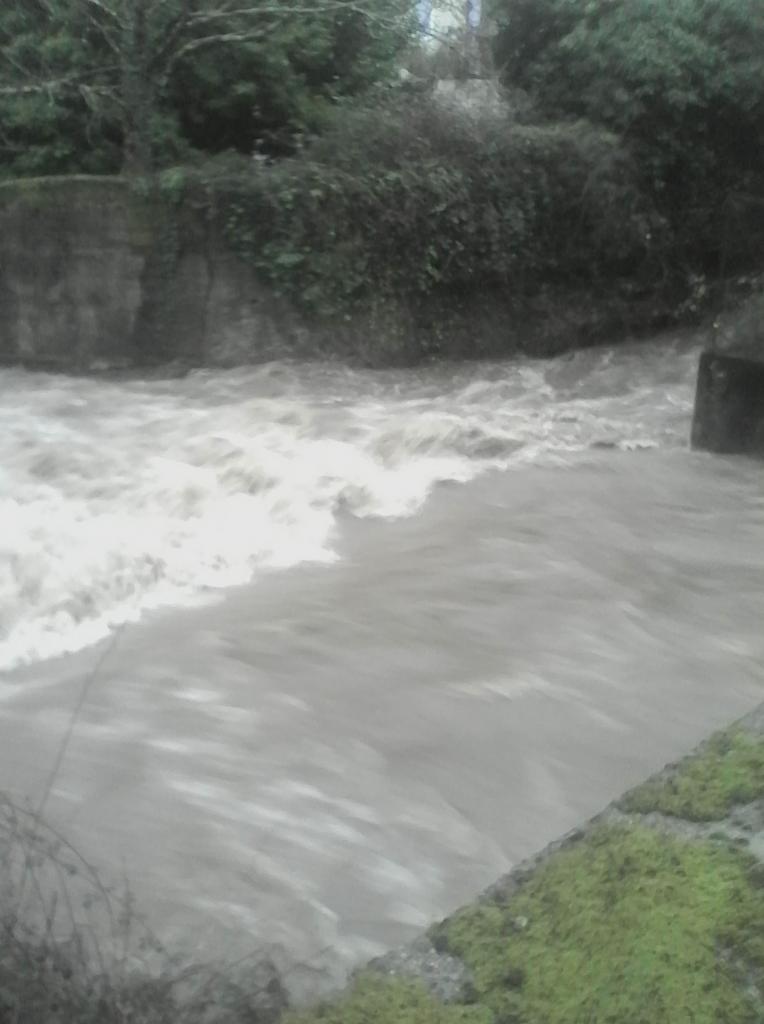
(382, 634)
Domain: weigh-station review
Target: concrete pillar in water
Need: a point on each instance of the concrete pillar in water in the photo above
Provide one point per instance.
(729, 404)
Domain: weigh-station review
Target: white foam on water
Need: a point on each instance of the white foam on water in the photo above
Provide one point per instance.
(121, 496)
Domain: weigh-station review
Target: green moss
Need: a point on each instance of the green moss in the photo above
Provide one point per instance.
(728, 770)
(377, 1000)
(625, 927)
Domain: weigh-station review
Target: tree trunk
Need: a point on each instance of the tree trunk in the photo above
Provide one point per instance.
(138, 93)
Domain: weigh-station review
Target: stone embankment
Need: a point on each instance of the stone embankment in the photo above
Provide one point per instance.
(96, 275)
(105, 273)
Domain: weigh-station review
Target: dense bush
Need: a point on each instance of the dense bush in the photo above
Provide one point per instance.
(412, 198)
(681, 83)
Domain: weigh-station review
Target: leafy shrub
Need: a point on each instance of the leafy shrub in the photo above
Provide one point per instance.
(682, 83)
(412, 198)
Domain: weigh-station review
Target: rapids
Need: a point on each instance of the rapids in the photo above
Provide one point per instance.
(364, 638)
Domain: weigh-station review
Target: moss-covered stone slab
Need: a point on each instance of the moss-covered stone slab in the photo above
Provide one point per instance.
(627, 925)
(624, 926)
(651, 913)
(726, 771)
(377, 1000)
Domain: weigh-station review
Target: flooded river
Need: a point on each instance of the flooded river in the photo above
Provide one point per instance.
(364, 639)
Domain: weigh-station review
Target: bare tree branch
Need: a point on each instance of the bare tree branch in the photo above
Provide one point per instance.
(40, 87)
(108, 37)
(173, 36)
(280, 10)
(105, 9)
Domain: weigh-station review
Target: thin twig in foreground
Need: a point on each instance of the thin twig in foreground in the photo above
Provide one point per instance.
(63, 747)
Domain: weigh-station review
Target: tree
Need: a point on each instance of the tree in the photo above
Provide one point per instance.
(681, 82)
(271, 91)
(113, 66)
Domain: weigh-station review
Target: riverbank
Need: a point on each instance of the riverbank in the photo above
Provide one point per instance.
(100, 273)
(653, 911)
(196, 270)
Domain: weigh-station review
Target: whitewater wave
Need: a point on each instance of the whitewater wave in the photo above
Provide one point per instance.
(121, 496)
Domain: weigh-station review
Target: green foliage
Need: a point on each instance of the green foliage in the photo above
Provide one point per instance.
(268, 93)
(377, 1000)
(96, 86)
(51, 130)
(408, 199)
(626, 925)
(682, 83)
(728, 770)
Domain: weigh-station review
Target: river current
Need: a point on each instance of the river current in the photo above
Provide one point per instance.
(364, 638)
